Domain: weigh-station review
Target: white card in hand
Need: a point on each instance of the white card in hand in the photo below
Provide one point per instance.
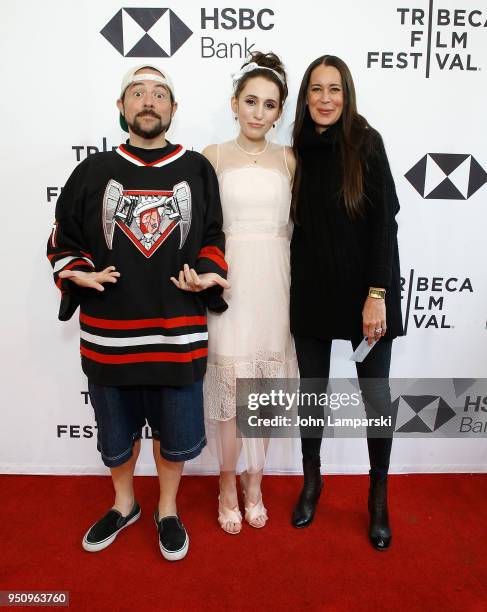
(362, 350)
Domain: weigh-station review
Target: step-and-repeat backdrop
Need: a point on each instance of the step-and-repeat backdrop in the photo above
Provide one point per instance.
(419, 68)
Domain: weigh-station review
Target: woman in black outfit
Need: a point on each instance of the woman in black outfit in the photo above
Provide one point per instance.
(344, 264)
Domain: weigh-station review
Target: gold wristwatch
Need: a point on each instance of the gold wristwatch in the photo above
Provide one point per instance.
(379, 294)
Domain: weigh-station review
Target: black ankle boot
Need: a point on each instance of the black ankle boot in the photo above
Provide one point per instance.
(304, 510)
(379, 531)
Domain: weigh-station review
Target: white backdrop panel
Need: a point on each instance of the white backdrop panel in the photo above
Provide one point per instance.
(60, 81)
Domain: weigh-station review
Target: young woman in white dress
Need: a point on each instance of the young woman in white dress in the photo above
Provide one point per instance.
(251, 339)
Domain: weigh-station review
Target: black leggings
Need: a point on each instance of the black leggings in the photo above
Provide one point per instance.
(373, 373)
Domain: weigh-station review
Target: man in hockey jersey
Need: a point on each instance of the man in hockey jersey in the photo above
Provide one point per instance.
(127, 222)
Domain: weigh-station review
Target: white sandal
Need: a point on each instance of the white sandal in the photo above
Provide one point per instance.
(253, 511)
(229, 515)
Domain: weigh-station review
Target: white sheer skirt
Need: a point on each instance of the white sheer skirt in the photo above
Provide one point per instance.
(249, 340)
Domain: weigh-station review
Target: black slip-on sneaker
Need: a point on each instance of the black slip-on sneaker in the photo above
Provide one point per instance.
(173, 537)
(105, 530)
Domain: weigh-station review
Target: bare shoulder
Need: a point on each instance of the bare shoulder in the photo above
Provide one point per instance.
(290, 160)
(211, 154)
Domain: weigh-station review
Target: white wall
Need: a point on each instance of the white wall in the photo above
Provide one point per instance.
(60, 79)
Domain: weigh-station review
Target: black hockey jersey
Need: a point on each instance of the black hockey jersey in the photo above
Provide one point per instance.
(147, 212)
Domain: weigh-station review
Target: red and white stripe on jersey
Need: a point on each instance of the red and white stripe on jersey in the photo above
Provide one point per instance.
(167, 159)
(115, 341)
(53, 235)
(184, 321)
(67, 260)
(140, 340)
(72, 260)
(215, 254)
(51, 256)
(144, 357)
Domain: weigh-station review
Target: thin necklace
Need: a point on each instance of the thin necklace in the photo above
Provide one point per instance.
(249, 153)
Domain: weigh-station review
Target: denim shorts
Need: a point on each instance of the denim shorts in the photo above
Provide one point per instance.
(175, 415)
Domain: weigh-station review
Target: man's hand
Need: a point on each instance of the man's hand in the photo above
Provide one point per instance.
(91, 279)
(188, 280)
(374, 319)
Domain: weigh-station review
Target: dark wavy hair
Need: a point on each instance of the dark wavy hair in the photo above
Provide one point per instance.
(354, 138)
(268, 60)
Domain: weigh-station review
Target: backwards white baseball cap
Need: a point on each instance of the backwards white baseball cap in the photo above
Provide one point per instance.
(130, 77)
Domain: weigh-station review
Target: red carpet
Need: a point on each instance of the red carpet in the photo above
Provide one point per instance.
(437, 560)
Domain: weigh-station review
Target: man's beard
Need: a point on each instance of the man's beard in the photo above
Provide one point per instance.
(148, 133)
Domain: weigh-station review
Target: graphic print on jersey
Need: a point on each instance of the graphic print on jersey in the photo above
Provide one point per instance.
(147, 217)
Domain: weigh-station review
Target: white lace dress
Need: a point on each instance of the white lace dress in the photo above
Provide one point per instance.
(251, 339)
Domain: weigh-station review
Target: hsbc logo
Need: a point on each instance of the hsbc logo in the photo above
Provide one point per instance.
(159, 32)
(447, 176)
(237, 18)
(146, 32)
(421, 413)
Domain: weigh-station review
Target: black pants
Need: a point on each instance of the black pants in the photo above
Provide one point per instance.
(373, 373)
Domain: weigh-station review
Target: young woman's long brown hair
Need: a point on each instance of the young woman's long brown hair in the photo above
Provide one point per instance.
(354, 138)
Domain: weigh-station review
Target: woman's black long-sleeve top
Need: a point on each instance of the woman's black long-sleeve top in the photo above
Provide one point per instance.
(334, 260)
